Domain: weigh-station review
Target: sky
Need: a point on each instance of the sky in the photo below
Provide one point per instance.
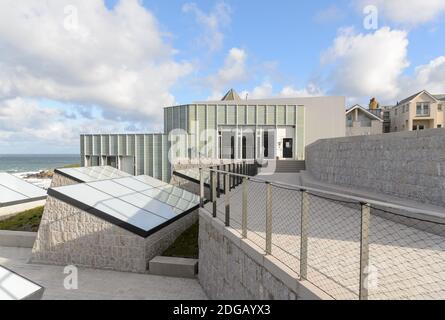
(106, 66)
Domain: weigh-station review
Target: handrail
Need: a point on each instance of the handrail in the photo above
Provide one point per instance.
(359, 200)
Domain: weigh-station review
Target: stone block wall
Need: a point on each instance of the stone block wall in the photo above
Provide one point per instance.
(59, 181)
(70, 236)
(234, 269)
(409, 165)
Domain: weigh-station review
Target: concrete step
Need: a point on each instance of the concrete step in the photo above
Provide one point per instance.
(292, 166)
(173, 267)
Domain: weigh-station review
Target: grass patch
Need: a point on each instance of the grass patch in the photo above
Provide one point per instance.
(28, 220)
(186, 246)
(71, 166)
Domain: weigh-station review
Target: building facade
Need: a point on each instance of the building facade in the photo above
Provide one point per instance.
(230, 129)
(418, 112)
(363, 122)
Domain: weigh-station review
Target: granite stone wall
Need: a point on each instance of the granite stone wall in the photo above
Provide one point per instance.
(70, 236)
(235, 269)
(59, 181)
(409, 165)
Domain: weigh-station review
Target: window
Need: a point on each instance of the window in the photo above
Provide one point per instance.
(418, 127)
(439, 107)
(244, 148)
(423, 109)
(439, 126)
(266, 144)
(349, 120)
(395, 111)
(232, 147)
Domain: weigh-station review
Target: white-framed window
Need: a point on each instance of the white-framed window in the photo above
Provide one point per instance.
(423, 109)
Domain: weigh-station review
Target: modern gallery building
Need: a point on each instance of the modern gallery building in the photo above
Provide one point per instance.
(230, 129)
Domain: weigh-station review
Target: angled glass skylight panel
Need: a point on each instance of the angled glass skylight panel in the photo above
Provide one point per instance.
(130, 214)
(152, 205)
(131, 203)
(90, 174)
(14, 190)
(193, 175)
(151, 181)
(112, 188)
(16, 287)
(21, 186)
(133, 184)
(8, 196)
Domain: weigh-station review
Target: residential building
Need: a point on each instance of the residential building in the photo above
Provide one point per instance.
(221, 130)
(418, 112)
(361, 121)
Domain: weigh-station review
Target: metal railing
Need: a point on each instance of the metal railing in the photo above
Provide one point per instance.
(349, 247)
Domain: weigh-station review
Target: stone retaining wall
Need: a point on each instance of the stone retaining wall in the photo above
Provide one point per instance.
(59, 181)
(235, 269)
(407, 164)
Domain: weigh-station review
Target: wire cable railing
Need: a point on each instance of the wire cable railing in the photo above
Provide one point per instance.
(349, 247)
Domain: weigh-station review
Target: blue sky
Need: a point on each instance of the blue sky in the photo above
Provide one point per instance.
(88, 66)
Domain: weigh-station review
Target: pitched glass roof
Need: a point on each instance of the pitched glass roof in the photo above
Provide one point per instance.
(14, 190)
(89, 174)
(142, 205)
(16, 287)
(193, 175)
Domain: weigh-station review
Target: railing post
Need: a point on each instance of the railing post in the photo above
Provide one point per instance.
(305, 203)
(244, 214)
(201, 188)
(227, 200)
(218, 178)
(213, 183)
(224, 179)
(364, 250)
(268, 218)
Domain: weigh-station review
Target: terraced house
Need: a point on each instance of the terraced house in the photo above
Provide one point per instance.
(230, 129)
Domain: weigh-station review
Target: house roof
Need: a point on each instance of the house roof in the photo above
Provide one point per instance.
(418, 94)
(232, 95)
(367, 112)
(440, 97)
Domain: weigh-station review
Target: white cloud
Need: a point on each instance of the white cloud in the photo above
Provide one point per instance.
(408, 12)
(213, 23)
(234, 71)
(266, 90)
(27, 124)
(367, 64)
(430, 77)
(116, 59)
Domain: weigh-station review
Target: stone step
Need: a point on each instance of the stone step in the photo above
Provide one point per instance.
(173, 267)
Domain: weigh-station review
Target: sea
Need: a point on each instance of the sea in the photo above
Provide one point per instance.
(25, 164)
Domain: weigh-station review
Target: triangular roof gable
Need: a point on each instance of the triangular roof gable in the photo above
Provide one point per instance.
(231, 96)
(411, 98)
(370, 114)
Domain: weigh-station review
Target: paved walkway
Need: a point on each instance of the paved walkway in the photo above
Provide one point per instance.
(407, 261)
(100, 284)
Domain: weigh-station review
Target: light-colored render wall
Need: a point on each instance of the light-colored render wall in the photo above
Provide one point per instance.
(404, 121)
(409, 165)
